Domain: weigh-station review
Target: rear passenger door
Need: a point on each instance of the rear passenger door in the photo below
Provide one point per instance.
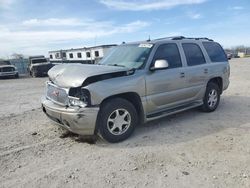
(196, 72)
(164, 88)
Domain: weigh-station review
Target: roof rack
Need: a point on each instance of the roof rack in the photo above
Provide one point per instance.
(171, 38)
(201, 38)
(182, 37)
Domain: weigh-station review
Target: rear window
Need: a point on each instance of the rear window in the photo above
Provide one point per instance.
(215, 52)
(35, 61)
(193, 54)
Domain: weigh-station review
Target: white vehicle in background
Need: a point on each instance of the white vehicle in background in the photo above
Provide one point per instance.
(8, 70)
(38, 66)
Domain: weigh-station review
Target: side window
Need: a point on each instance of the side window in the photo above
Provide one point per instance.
(88, 54)
(170, 53)
(193, 54)
(64, 54)
(71, 55)
(51, 56)
(97, 53)
(215, 52)
(79, 55)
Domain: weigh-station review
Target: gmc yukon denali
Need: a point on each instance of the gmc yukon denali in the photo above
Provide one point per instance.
(135, 83)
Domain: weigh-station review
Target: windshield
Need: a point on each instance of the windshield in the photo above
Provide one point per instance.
(130, 56)
(5, 63)
(35, 61)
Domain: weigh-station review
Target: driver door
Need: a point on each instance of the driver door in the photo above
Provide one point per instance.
(166, 88)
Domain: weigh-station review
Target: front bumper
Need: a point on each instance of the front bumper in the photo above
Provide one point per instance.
(81, 121)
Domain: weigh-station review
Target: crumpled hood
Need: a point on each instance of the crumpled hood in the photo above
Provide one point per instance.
(73, 75)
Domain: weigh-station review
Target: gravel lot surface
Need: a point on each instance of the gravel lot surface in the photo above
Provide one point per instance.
(190, 149)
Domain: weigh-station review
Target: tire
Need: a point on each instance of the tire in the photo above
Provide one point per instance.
(211, 99)
(117, 120)
(34, 74)
(17, 75)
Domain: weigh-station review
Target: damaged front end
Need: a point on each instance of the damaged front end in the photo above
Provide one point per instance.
(67, 101)
(70, 108)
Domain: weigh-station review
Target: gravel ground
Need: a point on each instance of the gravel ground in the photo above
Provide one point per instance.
(190, 149)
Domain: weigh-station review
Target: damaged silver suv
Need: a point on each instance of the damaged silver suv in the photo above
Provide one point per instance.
(135, 83)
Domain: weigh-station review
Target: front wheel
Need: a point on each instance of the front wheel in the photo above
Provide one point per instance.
(117, 120)
(212, 98)
(34, 74)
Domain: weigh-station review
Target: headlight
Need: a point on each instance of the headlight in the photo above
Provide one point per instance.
(76, 102)
(79, 97)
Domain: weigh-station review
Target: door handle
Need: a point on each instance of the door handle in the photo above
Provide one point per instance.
(182, 74)
(205, 71)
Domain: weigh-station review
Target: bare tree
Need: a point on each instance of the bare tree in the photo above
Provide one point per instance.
(17, 56)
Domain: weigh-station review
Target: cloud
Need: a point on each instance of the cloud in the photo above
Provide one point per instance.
(194, 16)
(147, 5)
(52, 22)
(25, 36)
(6, 4)
(237, 8)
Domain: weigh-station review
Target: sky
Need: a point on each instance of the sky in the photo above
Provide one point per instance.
(34, 27)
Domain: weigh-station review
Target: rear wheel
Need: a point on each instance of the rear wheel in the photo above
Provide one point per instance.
(117, 120)
(212, 98)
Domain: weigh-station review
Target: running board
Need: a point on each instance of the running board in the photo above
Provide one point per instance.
(173, 111)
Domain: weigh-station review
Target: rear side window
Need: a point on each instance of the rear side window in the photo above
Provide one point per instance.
(170, 53)
(193, 54)
(215, 52)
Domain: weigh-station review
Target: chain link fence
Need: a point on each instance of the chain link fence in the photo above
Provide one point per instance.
(20, 64)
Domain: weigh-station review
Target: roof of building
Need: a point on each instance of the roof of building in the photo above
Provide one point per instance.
(84, 48)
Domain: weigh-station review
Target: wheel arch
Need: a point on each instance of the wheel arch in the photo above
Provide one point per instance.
(218, 81)
(133, 98)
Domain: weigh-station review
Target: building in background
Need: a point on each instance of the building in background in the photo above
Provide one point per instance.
(87, 55)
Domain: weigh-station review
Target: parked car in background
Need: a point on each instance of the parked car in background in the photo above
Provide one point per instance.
(38, 66)
(229, 56)
(135, 83)
(8, 70)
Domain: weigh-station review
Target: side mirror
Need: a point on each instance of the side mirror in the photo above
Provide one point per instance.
(159, 65)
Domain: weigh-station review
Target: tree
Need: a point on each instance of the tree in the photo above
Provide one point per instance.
(17, 56)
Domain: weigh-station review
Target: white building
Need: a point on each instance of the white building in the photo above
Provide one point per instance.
(88, 55)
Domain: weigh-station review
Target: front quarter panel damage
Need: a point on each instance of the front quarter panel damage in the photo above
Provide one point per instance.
(103, 89)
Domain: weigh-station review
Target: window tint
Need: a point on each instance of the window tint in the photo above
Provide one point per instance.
(193, 54)
(170, 53)
(70, 55)
(88, 54)
(215, 52)
(79, 55)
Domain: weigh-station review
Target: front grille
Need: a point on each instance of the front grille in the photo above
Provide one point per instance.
(57, 94)
(7, 69)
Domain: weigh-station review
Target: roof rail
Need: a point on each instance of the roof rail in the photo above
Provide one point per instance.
(171, 38)
(200, 38)
(182, 37)
(178, 38)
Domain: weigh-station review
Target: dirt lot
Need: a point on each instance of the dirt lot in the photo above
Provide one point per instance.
(190, 149)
